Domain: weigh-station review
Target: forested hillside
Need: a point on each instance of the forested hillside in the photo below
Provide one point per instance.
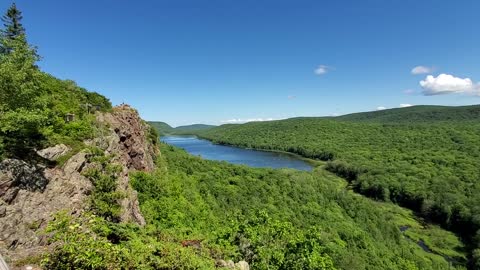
(284, 219)
(431, 168)
(418, 114)
(33, 104)
(161, 127)
(164, 128)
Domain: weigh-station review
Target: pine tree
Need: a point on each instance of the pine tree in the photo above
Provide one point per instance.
(13, 28)
(12, 22)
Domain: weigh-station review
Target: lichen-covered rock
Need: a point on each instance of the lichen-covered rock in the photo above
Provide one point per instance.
(54, 152)
(16, 175)
(39, 193)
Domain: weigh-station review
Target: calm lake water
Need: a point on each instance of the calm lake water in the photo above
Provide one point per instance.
(253, 158)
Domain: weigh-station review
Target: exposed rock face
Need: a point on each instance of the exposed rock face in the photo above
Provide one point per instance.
(30, 194)
(53, 153)
(127, 142)
(17, 175)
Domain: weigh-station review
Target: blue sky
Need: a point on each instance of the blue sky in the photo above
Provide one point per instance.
(217, 61)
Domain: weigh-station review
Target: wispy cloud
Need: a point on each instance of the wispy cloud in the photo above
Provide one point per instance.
(448, 84)
(292, 97)
(422, 70)
(409, 91)
(405, 105)
(322, 69)
(381, 108)
(240, 120)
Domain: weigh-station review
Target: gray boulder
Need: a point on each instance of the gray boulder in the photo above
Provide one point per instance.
(54, 152)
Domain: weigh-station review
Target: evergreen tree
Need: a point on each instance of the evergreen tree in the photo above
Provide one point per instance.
(12, 23)
(13, 28)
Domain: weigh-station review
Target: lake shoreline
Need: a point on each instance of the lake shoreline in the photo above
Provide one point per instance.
(312, 164)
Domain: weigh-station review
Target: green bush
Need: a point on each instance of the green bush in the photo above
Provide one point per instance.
(105, 198)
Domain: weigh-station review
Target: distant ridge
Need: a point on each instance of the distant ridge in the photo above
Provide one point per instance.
(417, 114)
(161, 127)
(164, 128)
(193, 127)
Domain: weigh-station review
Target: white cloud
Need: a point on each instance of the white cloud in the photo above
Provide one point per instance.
(409, 91)
(421, 70)
(448, 84)
(381, 108)
(322, 69)
(239, 120)
(405, 105)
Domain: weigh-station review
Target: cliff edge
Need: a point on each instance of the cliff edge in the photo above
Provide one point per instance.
(31, 193)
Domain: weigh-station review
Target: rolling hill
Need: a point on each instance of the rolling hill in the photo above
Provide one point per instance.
(417, 114)
(164, 128)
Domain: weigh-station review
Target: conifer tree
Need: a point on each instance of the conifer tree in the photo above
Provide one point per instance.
(12, 23)
(13, 28)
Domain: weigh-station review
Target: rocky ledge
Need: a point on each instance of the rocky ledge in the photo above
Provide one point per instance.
(30, 194)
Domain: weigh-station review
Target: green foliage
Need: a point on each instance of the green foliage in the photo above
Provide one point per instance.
(90, 242)
(277, 219)
(22, 116)
(190, 128)
(80, 247)
(161, 127)
(104, 200)
(417, 114)
(20, 131)
(429, 168)
(153, 135)
(33, 104)
(19, 76)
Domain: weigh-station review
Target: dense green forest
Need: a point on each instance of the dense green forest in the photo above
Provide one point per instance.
(426, 165)
(274, 219)
(418, 114)
(282, 219)
(161, 127)
(164, 128)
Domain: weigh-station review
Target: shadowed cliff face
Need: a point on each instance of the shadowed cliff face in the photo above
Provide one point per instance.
(30, 194)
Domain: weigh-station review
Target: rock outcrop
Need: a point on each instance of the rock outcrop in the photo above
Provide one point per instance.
(128, 143)
(30, 194)
(54, 152)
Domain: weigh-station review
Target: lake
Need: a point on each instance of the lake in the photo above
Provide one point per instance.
(236, 155)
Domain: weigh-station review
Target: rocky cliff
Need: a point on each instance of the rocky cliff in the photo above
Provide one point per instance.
(30, 194)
